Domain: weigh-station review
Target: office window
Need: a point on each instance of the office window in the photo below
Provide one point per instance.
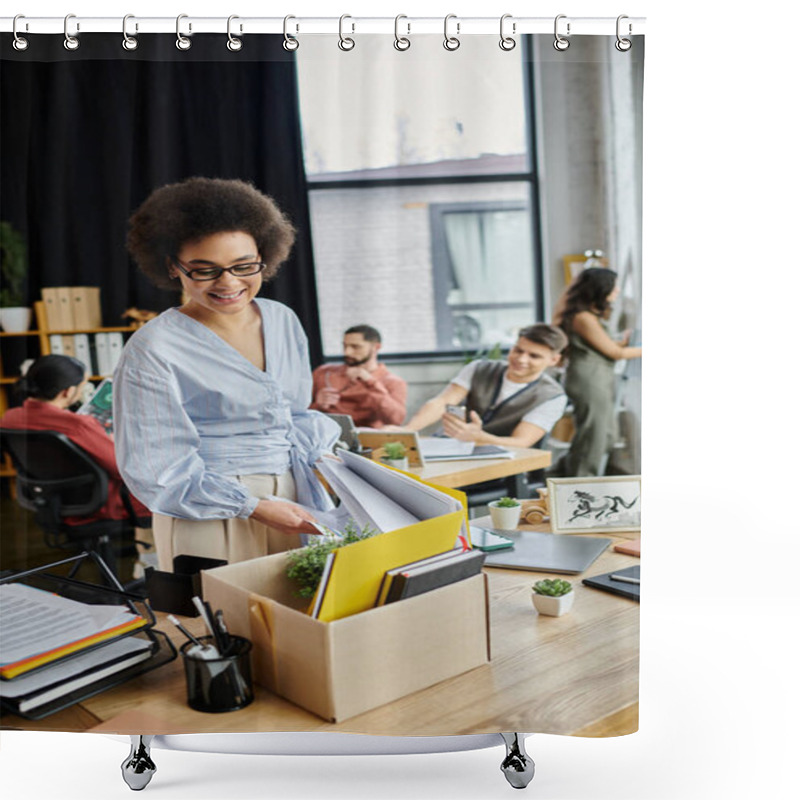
(420, 190)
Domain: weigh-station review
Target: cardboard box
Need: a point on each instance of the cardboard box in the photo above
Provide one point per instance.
(342, 668)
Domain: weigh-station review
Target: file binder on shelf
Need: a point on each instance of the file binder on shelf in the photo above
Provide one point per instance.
(66, 689)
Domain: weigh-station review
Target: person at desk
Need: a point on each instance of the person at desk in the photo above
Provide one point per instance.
(361, 387)
(51, 386)
(511, 403)
(589, 382)
(211, 398)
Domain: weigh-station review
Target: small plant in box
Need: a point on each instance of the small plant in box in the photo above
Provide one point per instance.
(553, 596)
(307, 563)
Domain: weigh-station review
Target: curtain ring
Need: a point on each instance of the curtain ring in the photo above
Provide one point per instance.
(20, 42)
(451, 42)
(290, 42)
(345, 42)
(623, 45)
(129, 42)
(182, 42)
(561, 43)
(401, 43)
(70, 42)
(506, 42)
(233, 44)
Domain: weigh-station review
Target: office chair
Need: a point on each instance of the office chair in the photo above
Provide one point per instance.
(56, 479)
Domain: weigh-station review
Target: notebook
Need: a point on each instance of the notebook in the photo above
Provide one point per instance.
(622, 588)
(548, 552)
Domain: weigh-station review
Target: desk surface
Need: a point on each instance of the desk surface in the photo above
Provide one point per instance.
(455, 474)
(575, 674)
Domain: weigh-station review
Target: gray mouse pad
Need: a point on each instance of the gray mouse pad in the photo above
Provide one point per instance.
(548, 552)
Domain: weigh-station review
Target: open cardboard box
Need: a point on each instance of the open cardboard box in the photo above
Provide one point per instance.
(342, 668)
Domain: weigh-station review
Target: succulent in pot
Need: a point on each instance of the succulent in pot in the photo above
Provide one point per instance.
(394, 454)
(553, 596)
(505, 513)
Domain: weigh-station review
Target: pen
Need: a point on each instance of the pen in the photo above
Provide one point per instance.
(198, 604)
(624, 579)
(223, 631)
(183, 630)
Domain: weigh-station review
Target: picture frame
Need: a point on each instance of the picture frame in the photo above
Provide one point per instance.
(609, 504)
(574, 263)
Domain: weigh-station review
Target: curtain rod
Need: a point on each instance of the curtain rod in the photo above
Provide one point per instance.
(348, 25)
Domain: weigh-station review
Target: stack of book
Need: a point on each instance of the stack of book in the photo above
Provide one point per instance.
(51, 646)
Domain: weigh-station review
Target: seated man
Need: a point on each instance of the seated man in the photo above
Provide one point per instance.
(509, 403)
(361, 387)
(51, 385)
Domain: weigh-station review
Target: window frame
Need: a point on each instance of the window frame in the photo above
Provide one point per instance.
(530, 177)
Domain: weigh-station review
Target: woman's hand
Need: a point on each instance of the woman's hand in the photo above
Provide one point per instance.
(284, 516)
(463, 431)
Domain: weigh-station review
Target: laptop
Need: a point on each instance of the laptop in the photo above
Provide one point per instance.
(548, 552)
(349, 434)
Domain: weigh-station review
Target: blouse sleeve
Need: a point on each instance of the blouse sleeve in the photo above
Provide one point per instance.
(157, 448)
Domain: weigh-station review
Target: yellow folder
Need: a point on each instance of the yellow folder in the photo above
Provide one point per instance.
(358, 569)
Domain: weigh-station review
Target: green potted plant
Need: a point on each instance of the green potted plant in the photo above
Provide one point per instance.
(394, 454)
(553, 597)
(14, 317)
(305, 564)
(505, 513)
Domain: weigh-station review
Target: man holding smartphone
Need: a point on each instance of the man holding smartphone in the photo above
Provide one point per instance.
(511, 403)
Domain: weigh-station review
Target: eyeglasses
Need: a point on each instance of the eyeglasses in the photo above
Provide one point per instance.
(212, 273)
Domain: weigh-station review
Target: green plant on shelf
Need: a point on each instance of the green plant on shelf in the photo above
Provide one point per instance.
(507, 502)
(307, 563)
(13, 266)
(394, 451)
(554, 587)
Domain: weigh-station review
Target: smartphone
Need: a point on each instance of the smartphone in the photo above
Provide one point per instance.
(457, 411)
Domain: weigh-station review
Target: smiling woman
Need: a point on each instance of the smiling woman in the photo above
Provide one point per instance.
(211, 398)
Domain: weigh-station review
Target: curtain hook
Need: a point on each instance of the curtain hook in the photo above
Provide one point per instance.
(623, 45)
(129, 42)
(345, 42)
(401, 42)
(506, 42)
(71, 42)
(561, 43)
(20, 42)
(290, 42)
(182, 42)
(451, 42)
(233, 44)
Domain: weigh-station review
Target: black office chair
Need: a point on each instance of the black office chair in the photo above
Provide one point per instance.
(57, 479)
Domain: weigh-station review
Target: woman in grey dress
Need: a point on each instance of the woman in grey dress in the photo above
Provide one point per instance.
(589, 381)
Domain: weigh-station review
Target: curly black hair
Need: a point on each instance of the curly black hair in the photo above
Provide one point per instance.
(198, 207)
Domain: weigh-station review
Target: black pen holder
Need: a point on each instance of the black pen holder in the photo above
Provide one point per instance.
(215, 685)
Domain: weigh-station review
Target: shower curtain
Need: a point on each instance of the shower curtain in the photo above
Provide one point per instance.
(437, 195)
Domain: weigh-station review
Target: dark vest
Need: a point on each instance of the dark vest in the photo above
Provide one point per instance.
(501, 419)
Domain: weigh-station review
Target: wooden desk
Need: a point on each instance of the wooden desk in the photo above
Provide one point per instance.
(575, 674)
(466, 472)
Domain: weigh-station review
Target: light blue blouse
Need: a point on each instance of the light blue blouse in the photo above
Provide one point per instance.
(191, 413)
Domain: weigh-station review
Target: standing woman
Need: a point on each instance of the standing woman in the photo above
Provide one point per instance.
(211, 398)
(589, 381)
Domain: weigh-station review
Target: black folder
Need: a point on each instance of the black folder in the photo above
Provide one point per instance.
(623, 589)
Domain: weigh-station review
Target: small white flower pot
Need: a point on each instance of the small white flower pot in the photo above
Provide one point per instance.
(503, 518)
(553, 606)
(397, 463)
(15, 319)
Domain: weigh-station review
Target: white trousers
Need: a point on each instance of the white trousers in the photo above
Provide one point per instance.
(231, 539)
